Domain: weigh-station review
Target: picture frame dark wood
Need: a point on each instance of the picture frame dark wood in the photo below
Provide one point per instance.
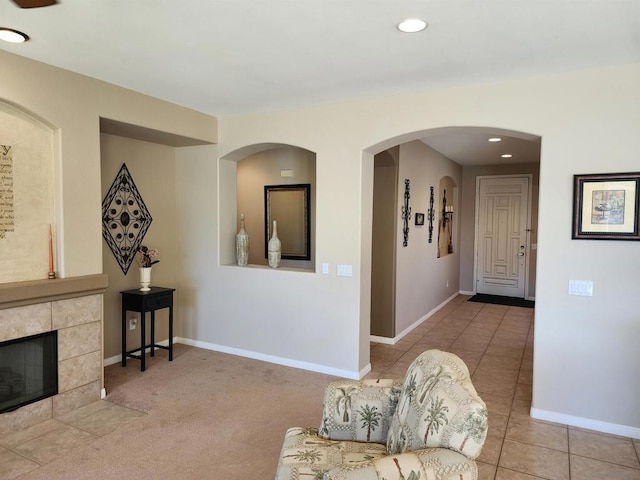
(606, 206)
(419, 219)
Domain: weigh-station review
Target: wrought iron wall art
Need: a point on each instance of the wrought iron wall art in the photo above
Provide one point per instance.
(430, 214)
(125, 219)
(406, 213)
(447, 220)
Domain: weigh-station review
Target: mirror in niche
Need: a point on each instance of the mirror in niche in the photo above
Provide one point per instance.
(289, 206)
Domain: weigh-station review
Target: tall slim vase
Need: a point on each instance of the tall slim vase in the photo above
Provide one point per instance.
(145, 279)
(242, 244)
(274, 248)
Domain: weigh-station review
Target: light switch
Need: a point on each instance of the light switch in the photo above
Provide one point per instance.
(583, 288)
(325, 269)
(344, 270)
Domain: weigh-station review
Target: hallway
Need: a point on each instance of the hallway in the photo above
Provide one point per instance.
(496, 343)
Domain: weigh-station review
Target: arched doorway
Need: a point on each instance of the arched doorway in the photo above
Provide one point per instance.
(423, 283)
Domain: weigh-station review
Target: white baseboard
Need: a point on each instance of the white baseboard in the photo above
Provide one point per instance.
(465, 292)
(258, 356)
(397, 338)
(313, 367)
(386, 340)
(597, 425)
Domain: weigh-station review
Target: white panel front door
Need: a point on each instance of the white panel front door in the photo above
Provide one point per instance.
(503, 205)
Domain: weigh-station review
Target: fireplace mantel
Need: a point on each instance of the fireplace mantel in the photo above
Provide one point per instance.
(17, 294)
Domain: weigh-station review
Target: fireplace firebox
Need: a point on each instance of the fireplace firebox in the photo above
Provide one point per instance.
(28, 370)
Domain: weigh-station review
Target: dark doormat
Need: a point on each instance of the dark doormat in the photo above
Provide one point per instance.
(500, 300)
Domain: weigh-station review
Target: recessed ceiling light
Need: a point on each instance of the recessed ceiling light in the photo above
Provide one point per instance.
(495, 139)
(13, 36)
(412, 25)
(506, 155)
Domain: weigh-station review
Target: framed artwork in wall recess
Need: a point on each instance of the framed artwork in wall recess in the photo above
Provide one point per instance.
(419, 218)
(606, 206)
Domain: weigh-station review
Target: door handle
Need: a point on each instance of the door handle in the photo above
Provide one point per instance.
(521, 254)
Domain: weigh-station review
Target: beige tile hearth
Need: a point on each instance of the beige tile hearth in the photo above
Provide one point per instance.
(13, 465)
(51, 445)
(100, 418)
(25, 450)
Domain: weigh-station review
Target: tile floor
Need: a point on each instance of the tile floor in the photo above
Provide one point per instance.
(24, 451)
(496, 343)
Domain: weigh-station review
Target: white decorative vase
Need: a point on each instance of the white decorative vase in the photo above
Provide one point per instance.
(145, 279)
(242, 244)
(274, 249)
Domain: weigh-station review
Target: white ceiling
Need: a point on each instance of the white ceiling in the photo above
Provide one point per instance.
(235, 56)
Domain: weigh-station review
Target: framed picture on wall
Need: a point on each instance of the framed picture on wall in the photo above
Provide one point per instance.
(606, 206)
(419, 218)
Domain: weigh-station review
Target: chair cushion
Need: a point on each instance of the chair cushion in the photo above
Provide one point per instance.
(438, 407)
(359, 410)
(306, 456)
(426, 464)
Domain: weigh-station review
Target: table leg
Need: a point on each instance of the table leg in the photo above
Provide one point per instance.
(153, 333)
(143, 337)
(124, 337)
(171, 334)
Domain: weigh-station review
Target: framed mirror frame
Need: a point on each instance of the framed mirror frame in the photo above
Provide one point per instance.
(290, 207)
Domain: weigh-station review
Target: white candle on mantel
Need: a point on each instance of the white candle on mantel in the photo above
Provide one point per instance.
(51, 272)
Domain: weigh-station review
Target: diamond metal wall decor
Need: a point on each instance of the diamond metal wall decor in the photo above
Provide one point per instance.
(125, 219)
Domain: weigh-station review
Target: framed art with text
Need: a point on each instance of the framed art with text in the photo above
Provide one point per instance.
(606, 206)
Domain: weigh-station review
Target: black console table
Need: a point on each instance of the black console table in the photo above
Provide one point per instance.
(137, 301)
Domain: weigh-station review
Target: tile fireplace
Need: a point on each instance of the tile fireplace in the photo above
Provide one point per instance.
(73, 309)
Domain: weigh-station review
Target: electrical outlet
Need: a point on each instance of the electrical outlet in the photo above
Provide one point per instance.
(447, 285)
(132, 323)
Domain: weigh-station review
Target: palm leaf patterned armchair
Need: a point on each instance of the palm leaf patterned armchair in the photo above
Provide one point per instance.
(431, 426)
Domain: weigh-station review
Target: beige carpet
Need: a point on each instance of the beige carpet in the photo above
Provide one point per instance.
(209, 415)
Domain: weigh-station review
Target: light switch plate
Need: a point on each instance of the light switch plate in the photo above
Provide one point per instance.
(583, 288)
(325, 269)
(344, 270)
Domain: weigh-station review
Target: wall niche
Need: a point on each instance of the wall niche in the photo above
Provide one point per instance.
(26, 196)
(446, 211)
(275, 165)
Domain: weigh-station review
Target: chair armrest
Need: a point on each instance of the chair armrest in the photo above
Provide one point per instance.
(439, 407)
(359, 410)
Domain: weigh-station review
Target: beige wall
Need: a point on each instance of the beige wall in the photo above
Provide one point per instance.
(152, 168)
(588, 123)
(383, 244)
(72, 105)
(423, 281)
(467, 212)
